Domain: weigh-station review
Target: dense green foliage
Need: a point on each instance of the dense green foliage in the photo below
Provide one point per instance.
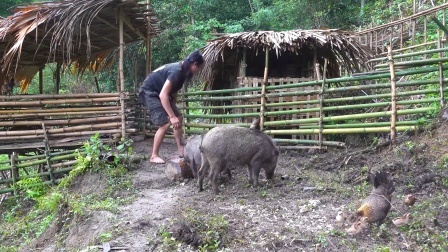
(188, 24)
(7, 5)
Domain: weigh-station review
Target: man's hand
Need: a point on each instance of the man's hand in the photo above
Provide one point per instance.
(175, 122)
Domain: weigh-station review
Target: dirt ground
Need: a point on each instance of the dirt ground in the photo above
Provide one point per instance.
(294, 212)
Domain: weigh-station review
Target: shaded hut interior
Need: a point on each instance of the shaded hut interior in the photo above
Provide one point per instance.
(238, 64)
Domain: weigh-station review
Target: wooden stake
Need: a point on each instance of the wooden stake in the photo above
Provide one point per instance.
(263, 89)
(121, 75)
(393, 91)
(439, 45)
(41, 81)
(97, 84)
(425, 35)
(321, 103)
(47, 152)
(14, 172)
(148, 42)
(401, 36)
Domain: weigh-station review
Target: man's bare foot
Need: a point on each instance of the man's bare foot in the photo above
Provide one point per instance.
(156, 160)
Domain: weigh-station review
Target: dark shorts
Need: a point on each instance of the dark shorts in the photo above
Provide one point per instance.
(157, 113)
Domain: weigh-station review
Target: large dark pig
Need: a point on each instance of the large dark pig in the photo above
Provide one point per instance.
(192, 154)
(223, 147)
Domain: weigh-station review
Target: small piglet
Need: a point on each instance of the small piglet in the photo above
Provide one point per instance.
(192, 154)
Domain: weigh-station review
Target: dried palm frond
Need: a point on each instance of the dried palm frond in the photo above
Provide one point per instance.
(63, 32)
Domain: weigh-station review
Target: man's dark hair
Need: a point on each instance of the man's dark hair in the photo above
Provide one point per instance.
(194, 57)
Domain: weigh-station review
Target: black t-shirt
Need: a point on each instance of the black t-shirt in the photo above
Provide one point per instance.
(156, 79)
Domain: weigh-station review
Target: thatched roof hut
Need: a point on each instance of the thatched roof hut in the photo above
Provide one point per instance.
(292, 54)
(84, 33)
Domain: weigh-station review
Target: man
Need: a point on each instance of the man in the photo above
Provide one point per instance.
(159, 94)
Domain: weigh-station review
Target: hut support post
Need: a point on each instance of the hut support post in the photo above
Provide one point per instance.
(57, 78)
(148, 61)
(243, 64)
(321, 100)
(393, 92)
(121, 77)
(41, 81)
(439, 46)
(97, 84)
(263, 88)
(148, 42)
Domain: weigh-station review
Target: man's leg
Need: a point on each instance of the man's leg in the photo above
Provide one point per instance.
(178, 136)
(158, 138)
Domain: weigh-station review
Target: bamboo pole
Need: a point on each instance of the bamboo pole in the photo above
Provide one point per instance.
(41, 81)
(413, 63)
(59, 96)
(61, 130)
(412, 47)
(254, 115)
(263, 89)
(405, 55)
(25, 137)
(58, 102)
(56, 110)
(91, 133)
(38, 115)
(350, 117)
(340, 131)
(439, 46)
(204, 125)
(361, 125)
(66, 122)
(52, 159)
(63, 164)
(393, 117)
(303, 141)
(121, 74)
(52, 154)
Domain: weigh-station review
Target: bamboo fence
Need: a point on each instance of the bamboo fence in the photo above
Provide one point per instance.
(391, 100)
(50, 167)
(30, 122)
